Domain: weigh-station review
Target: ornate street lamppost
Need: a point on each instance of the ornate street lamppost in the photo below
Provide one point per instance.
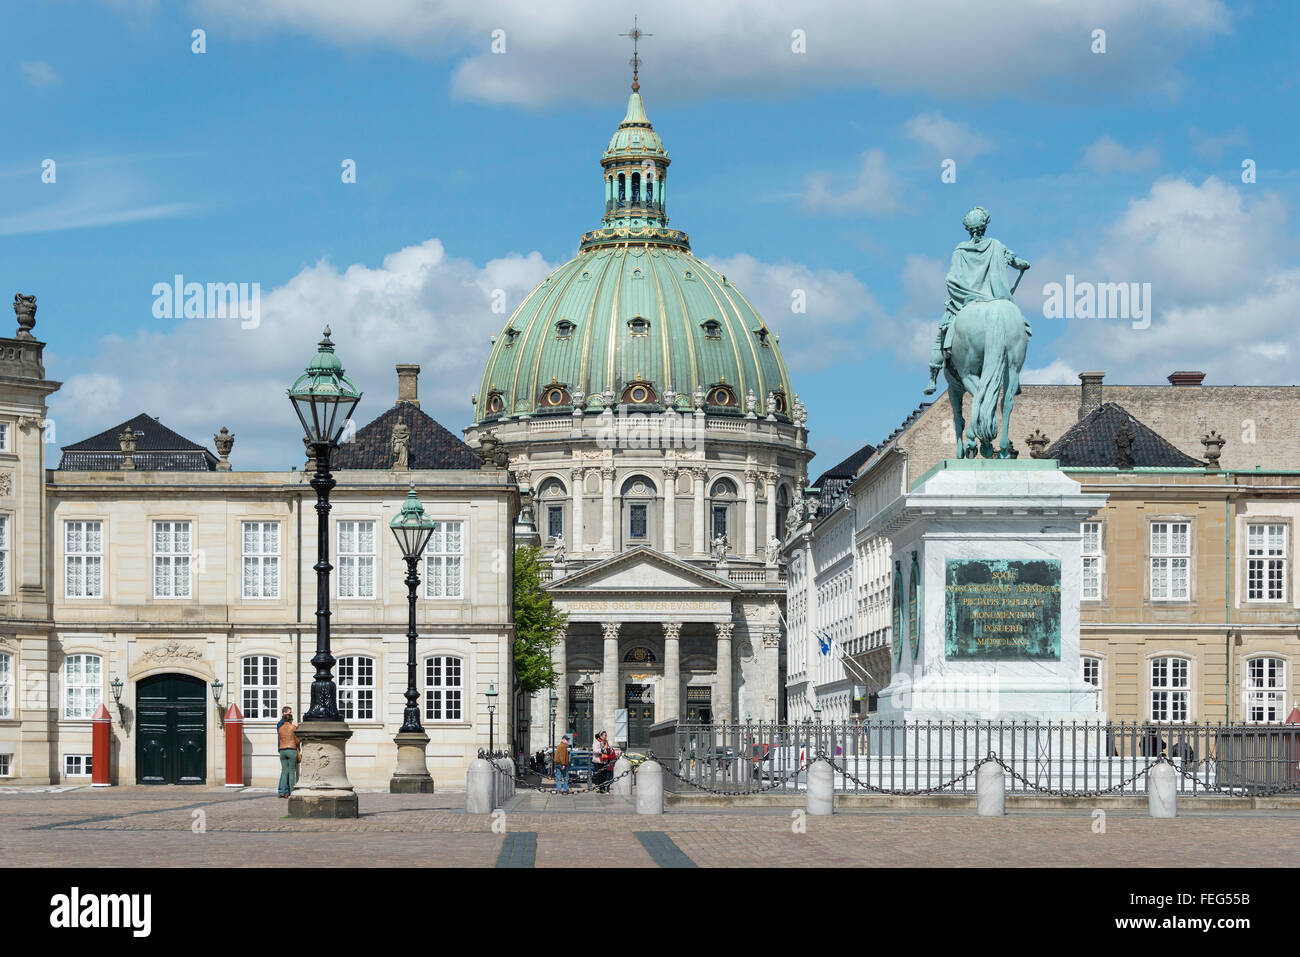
(324, 399)
(554, 703)
(412, 528)
(492, 715)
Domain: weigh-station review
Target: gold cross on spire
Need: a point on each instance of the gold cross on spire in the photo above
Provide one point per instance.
(636, 34)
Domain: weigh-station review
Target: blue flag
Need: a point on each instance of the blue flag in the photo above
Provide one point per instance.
(824, 643)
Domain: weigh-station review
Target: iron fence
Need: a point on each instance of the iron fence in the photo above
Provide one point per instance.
(910, 757)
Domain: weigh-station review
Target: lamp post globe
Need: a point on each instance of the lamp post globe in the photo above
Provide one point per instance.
(324, 400)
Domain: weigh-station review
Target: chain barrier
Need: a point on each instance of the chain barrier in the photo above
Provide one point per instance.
(520, 782)
(779, 782)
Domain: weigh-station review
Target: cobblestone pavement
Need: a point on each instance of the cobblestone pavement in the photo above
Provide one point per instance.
(174, 826)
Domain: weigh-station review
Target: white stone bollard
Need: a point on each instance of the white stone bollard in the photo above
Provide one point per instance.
(505, 779)
(480, 789)
(1162, 791)
(821, 788)
(650, 788)
(991, 790)
(622, 785)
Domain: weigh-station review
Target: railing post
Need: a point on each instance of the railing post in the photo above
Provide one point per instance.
(991, 790)
(650, 788)
(1162, 791)
(821, 788)
(479, 787)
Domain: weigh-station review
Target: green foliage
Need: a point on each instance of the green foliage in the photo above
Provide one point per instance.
(537, 623)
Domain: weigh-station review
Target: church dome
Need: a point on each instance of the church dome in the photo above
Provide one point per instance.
(635, 318)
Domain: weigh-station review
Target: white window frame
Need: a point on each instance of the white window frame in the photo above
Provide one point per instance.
(1161, 536)
(1263, 688)
(6, 685)
(1085, 661)
(1169, 691)
(90, 694)
(353, 559)
(1093, 561)
(444, 700)
(356, 684)
(552, 509)
(5, 433)
(253, 694)
(445, 553)
(83, 558)
(263, 559)
(4, 554)
(178, 561)
(82, 763)
(6, 764)
(1266, 563)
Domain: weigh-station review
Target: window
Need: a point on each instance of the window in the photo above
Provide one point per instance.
(83, 688)
(1265, 689)
(564, 328)
(1170, 561)
(636, 520)
(639, 393)
(719, 520)
(357, 688)
(4, 554)
(261, 559)
(1090, 669)
(639, 326)
(1170, 689)
(6, 765)
(554, 521)
(721, 395)
(712, 329)
(556, 395)
(496, 403)
(357, 559)
(6, 685)
(1266, 562)
(171, 559)
(83, 559)
(444, 561)
(1092, 561)
(76, 765)
(261, 687)
(4, 437)
(442, 688)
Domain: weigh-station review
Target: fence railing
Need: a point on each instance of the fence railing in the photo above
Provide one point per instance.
(911, 757)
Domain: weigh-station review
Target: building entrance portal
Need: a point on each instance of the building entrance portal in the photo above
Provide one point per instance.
(640, 703)
(171, 730)
(699, 705)
(581, 725)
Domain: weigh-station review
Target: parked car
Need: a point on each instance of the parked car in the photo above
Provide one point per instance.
(580, 765)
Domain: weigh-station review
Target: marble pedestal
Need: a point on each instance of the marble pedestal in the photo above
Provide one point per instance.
(988, 576)
(412, 774)
(323, 788)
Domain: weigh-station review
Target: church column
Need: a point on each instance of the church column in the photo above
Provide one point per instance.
(577, 489)
(608, 680)
(698, 476)
(771, 671)
(607, 509)
(722, 686)
(560, 656)
(672, 671)
(670, 510)
(769, 490)
(751, 520)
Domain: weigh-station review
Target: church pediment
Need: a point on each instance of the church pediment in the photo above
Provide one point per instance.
(642, 570)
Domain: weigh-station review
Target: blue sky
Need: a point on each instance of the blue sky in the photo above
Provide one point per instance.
(817, 170)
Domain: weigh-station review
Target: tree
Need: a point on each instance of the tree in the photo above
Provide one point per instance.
(537, 623)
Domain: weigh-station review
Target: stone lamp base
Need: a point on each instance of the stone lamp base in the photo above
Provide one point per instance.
(323, 788)
(412, 774)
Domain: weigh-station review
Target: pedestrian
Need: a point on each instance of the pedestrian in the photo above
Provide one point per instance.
(290, 752)
(562, 766)
(603, 753)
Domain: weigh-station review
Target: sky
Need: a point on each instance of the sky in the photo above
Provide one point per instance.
(823, 149)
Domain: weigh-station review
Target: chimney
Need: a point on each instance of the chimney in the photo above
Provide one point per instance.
(1186, 378)
(1090, 394)
(408, 375)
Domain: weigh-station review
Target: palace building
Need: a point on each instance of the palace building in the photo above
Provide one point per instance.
(644, 402)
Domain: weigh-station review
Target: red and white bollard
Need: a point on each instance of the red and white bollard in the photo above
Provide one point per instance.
(100, 743)
(234, 747)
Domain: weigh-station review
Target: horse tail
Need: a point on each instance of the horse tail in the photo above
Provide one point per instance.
(993, 376)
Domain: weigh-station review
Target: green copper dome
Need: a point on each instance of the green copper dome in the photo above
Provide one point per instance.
(635, 316)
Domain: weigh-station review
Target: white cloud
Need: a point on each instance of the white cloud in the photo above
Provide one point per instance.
(948, 138)
(1107, 156)
(573, 51)
(1056, 372)
(39, 73)
(876, 191)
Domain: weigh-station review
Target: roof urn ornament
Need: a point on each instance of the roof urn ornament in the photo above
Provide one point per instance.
(224, 441)
(771, 405)
(1213, 443)
(25, 309)
(401, 446)
(1124, 447)
(699, 399)
(492, 451)
(751, 402)
(1038, 443)
(127, 443)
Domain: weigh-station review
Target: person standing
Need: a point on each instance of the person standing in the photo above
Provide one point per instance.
(290, 752)
(561, 761)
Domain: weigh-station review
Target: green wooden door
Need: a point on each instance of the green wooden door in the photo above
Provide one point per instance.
(171, 730)
(640, 703)
(581, 724)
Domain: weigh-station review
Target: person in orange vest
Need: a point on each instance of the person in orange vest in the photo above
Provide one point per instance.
(290, 752)
(561, 762)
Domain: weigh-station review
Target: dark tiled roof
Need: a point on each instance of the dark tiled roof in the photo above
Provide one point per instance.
(432, 446)
(1091, 442)
(836, 479)
(157, 449)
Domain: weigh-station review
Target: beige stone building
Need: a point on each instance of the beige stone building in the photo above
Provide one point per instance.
(178, 572)
(1189, 609)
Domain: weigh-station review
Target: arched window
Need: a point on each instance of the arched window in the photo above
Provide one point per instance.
(260, 687)
(639, 326)
(564, 329)
(554, 501)
(778, 399)
(1171, 689)
(638, 495)
(356, 683)
(724, 396)
(712, 328)
(495, 403)
(640, 655)
(639, 393)
(782, 510)
(554, 395)
(6, 685)
(1265, 689)
(622, 189)
(636, 188)
(443, 688)
(83, 685)
(722, 505)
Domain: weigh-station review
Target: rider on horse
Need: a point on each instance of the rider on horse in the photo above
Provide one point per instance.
(978, 274)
